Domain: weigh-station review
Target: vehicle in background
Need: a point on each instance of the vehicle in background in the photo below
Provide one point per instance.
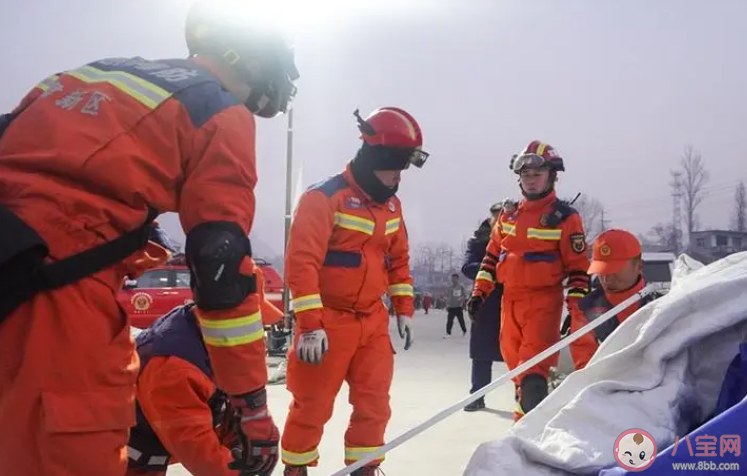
(161, 289)
(658, 268)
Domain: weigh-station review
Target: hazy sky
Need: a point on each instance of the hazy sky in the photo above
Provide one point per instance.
(618, 87)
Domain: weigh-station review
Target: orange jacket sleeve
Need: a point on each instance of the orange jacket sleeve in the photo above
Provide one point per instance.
(312, 227)
(220, 176)
(485, 279)
(401, 290)
(584, 348)
(173, 395)
(270, 313)
(573, 252)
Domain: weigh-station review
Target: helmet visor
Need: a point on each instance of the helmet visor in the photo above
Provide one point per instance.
(528, 161)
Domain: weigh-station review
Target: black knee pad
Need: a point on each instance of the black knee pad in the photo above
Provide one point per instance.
(214, 252)
(533, 391)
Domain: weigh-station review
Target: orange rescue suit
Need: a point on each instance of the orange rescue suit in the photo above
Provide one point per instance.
(345, 252)
(594, 305)
(175, 398)
(88, 152)
(532, 256)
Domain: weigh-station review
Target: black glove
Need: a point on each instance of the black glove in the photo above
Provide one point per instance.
(473, 306)
(258, 453)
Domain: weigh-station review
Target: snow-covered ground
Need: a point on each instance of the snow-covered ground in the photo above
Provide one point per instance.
(433, 375)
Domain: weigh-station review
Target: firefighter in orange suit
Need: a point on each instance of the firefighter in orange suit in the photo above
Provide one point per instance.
(182, 417)
(84, 158)
(348, 247)
(535, 246)
(616, 259)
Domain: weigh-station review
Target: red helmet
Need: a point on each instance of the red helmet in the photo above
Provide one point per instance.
(536, 155)
(393, 127)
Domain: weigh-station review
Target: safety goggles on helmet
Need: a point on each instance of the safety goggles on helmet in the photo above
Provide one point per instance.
(397, 158)
(418, 158)
(528, 161)
(272, 87)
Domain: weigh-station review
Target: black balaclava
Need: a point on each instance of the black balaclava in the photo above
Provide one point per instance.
(378, 157)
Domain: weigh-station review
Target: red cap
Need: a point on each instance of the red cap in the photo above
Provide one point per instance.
(611, 250)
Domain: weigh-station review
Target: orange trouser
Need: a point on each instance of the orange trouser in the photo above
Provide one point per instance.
(529, 325)
(361, 353)
(67, 384)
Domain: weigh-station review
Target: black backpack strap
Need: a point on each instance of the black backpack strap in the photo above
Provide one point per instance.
(561, 211)
(76, 267)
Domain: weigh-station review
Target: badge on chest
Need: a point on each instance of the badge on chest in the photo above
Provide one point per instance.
(353, 203)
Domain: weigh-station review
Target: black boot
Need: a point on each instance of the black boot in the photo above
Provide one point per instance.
(295, 471)
(478, 404)
(366, 471)
(533, 391)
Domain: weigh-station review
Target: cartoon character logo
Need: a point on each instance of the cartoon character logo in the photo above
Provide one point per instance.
(635, 450)
(141, 301)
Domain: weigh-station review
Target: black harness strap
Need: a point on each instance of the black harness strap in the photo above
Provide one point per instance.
(26, 278)
(91, 261)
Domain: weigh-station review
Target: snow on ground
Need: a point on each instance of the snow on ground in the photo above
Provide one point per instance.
(431, 376)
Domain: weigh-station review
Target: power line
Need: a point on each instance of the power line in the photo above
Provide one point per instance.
(707, 191)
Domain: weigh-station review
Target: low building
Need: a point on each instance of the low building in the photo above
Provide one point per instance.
(711, 245)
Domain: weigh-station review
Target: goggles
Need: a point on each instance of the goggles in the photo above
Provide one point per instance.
(529, 161)
(418, 158)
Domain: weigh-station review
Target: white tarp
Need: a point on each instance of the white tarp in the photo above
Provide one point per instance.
(660, 371)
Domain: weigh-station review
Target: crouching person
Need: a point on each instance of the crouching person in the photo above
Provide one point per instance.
(182, 417)
(617, 261)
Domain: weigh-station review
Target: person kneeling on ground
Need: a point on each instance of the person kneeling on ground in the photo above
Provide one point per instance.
(182, 417)
(616, 259)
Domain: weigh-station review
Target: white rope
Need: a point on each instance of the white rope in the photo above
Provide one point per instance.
(499, 381)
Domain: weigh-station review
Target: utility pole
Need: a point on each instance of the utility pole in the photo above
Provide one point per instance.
(676, 211)
(288, 200)
(603, 225)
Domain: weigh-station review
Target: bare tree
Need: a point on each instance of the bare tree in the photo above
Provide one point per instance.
(694, 177)
(739, 213)
(425, 257)
(665, 235)
(592, 214)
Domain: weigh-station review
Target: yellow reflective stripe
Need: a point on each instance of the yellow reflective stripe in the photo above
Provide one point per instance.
(352, 222)
(307, 303)
(392, 226)
(299, 459)
(508, 228)
(401, 290)
(541, 148)
(485, 276)
(48, 83)
(355, 454)
(542, 234)
(578, 292)
(232, 332)
(147, 93)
